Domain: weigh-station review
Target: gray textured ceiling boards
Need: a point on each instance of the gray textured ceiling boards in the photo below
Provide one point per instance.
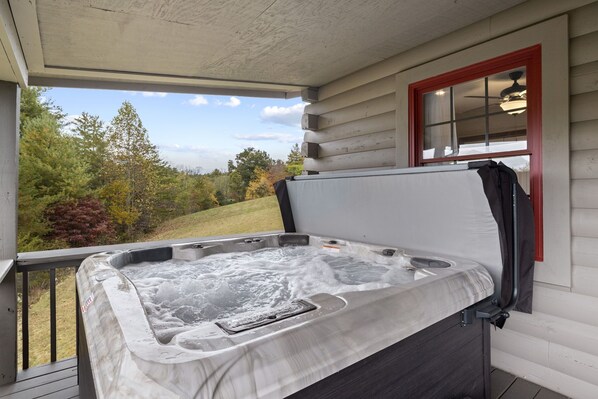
(285, 42)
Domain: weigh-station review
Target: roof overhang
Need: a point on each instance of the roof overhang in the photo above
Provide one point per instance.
(253, 48)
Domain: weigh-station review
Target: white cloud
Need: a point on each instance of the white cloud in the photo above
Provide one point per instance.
(198, 100)
(153, 94)
(232, 102)
(289, 116)
(280, 137)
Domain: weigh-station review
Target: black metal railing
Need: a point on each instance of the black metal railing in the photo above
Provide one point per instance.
(25, 270)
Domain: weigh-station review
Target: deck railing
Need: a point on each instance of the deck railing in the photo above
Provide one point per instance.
(51, 261)
(24, 270)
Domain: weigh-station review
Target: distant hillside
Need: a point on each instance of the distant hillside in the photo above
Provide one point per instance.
(257, 215)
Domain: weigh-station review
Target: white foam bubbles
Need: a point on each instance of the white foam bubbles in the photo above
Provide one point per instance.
(179, 295)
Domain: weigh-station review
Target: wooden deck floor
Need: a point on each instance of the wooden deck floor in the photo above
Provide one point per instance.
(51, 381)
(59, 381)
(507, 386)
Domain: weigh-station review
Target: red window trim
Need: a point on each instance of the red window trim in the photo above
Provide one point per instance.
(531, 58)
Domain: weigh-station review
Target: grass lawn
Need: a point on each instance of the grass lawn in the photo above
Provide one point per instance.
(246, 217)
(39, 324)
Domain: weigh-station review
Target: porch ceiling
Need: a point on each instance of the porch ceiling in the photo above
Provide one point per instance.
(260, 46)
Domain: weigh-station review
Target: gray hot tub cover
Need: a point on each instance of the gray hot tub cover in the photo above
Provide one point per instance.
(454, 218)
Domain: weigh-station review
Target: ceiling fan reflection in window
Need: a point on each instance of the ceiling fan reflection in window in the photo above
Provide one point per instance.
(514, 97)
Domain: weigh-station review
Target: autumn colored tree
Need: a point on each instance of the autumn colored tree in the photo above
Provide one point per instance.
(134, 170)
(246, 163)
(260, 186)
(80, 223)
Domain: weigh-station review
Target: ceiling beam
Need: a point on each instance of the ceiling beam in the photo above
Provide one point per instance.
(121, 80)
(25, 17)
(12, 46)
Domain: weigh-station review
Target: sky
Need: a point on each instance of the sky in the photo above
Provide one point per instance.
(196, 131)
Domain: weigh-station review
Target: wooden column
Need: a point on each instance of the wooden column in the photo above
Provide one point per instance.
(9, 172)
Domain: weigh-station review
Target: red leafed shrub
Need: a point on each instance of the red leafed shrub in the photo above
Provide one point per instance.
(81, 223)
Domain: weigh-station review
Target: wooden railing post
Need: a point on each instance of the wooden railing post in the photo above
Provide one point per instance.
(9, 125)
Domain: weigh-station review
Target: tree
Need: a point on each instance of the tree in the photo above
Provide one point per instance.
(92, 143)
(260, 186)
(80, 223)
(246, 163)
(277, 171)
(295, 161)
(236, 187)
(50, 171)
(195, 193)
(32, 106)
(134, 166)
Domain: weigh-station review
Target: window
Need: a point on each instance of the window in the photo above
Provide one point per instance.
(489, 110)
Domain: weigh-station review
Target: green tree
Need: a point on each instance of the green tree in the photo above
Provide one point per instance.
(295, 161)
(134, 164)
(33, 105)
(92, 143)
(195, 193)
(50, 171)
(246, 163)
(236, 187)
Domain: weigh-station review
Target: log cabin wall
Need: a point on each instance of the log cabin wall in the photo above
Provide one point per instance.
(354, 127)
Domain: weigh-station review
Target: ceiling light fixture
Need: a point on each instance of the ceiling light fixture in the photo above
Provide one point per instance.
(515, 96)
(514, 105)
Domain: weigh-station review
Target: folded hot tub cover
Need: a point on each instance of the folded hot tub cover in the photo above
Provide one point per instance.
(339, 202)
(498, 190)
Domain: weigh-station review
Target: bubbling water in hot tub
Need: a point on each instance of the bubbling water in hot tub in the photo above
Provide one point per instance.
(180, 295)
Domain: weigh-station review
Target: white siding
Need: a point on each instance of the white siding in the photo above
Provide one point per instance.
(556, 346)
(356, 129)
(584, 169)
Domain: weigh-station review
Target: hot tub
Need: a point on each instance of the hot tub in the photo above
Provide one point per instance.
(317, 312)
(270, 351)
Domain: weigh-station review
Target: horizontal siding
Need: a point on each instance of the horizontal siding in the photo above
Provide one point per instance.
(584, 164)
(368, 142)
(584, 78)
(584, 193)
(377, 88)
(584, 280)
(583, 20)
(584, 160)
(584, 222)
(584, 135)
(566, 305)
(374, 124)
(366, 160)
(356, 129)
(584, 251)
(376, 106)
(557, 345)
(583, 106)
(583, 49)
